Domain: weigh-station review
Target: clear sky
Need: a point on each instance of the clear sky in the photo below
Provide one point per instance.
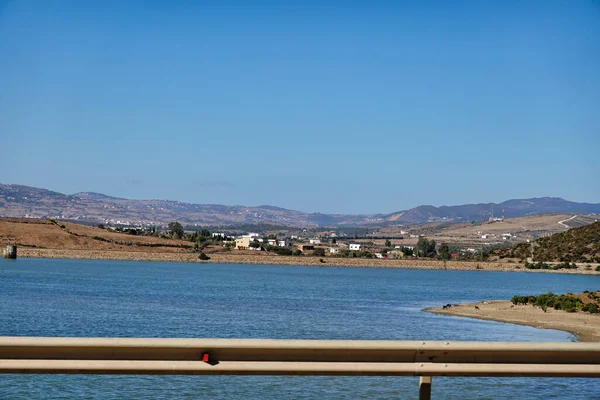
(340, 106)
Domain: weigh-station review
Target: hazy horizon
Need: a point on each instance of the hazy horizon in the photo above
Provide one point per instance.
(320, 107)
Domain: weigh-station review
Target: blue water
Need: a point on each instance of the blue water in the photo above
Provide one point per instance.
(41, 297)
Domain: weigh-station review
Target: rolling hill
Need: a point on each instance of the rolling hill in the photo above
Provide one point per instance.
(24, 201)
(580, 244)
(64, 235)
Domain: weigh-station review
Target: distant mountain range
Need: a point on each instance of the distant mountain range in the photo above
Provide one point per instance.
(26, 201)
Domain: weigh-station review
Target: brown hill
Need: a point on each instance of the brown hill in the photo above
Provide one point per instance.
(574, 245)
(64, 235)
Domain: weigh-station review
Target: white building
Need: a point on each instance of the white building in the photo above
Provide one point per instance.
(242, 243)
(355, 246)
(282, 243)
(272, 242)
(315, 241)
(334, 250)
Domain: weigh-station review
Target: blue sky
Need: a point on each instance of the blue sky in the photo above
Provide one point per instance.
(350, 107)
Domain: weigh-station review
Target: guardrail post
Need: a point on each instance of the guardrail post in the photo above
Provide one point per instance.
(425, 388)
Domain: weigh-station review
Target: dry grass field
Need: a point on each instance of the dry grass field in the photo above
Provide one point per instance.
(44, 234)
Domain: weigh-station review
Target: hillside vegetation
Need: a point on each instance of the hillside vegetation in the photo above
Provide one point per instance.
(586, 301)
(575, 245)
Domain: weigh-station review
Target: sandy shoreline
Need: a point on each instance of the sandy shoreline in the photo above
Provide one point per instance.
(229, 258)
(585, 326)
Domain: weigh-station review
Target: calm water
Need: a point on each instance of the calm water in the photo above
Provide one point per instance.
(138, 299)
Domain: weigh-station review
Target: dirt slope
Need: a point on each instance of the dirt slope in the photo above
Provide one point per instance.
(45, 234)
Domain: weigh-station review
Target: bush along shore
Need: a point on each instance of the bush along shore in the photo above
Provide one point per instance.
(542, 265)
(584, 302)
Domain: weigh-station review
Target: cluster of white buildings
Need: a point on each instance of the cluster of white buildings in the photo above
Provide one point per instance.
(351, 246)
(505, 236)
(243, 242)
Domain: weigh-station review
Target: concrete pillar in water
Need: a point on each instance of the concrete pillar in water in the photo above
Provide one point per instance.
(10, 251)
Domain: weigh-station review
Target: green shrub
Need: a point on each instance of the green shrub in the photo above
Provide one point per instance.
(283, 251)
(203, 257)
(564, 265)
(539, 265)
(521, 299)
(591, 308)
(566, 302)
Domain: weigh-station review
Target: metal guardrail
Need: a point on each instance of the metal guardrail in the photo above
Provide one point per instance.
(37, 355)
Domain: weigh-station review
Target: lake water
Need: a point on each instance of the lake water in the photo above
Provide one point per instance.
(43, 297)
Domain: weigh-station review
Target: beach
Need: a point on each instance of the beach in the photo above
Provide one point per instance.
(584, 325)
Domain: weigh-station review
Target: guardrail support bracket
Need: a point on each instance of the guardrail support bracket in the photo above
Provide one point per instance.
(425, 388)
